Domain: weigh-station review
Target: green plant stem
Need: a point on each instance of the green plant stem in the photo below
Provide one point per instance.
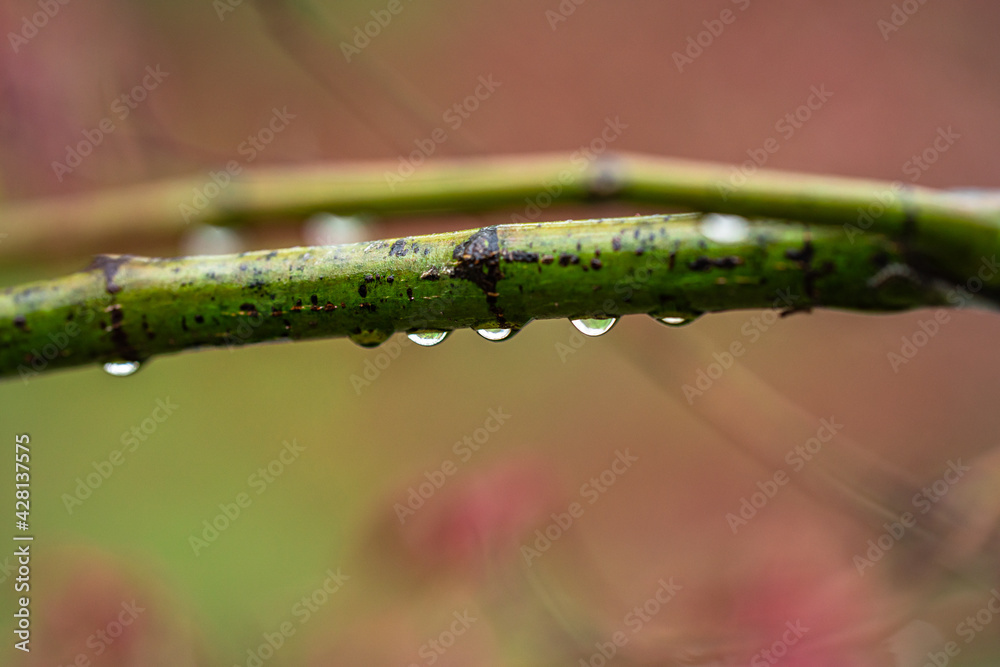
(131, 308)
(955, 229)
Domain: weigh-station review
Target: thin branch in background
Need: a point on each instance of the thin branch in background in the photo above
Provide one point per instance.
(956, 229)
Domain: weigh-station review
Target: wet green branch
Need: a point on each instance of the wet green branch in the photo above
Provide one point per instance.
(132, 308)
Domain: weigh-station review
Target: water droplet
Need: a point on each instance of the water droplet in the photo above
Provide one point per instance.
(211, 240)
(329, 229)
(724, 228)
(428, 338)
(370, 338)
(594, 326)
(121, 369)
(674, 320)
(496, 334)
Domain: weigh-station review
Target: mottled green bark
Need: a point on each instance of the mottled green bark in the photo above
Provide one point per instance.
(131, 308)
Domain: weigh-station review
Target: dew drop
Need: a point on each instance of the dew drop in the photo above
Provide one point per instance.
(329, 229)
(495, 334)
(121, 369)
(211, 240)
(594, 326)
(370, 338)
(674, 320)
(428, 338)
(724, 228)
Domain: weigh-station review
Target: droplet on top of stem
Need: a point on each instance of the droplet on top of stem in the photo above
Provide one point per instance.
(724, 228)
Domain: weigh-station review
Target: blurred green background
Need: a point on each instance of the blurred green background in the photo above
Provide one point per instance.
(575, 404)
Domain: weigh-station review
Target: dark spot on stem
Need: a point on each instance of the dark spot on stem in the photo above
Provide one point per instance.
(596, 264)
(804, 257)
(363, 290)
(109, 264)
(565, 259)
(616, 243)
(409, 293)
(118, 335)
(398, 248)
(199, 319)
(478, 261)
(521, 256)
(705, 263)
(21, 323)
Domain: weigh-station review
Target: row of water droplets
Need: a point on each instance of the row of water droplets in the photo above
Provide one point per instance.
(429, 338)
(589, 326)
